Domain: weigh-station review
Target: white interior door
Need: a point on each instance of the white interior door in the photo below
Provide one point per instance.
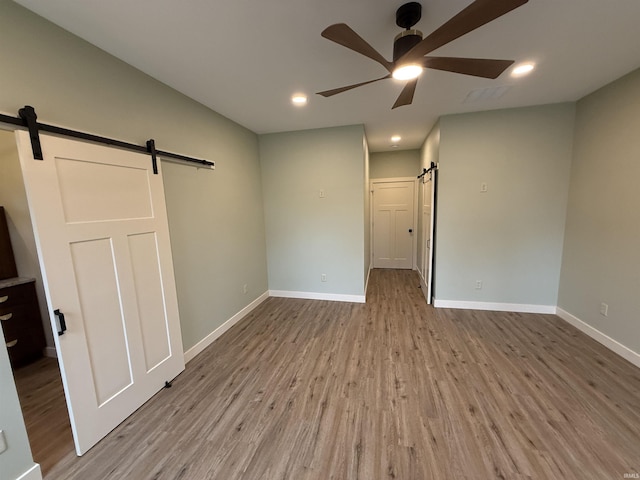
(432, 228)
(393, 207)
(428, 226)
(100, 224)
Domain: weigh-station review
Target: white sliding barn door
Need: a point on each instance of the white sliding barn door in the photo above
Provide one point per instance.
(100, 223)
(427, 207)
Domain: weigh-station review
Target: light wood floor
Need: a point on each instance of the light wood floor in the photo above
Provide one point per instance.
(45, 412)
(392, 389)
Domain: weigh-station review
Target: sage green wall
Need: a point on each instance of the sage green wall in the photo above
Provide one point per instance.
(601, 261)
(402, 163)
(511, 236)
(215, 217)
(308, 235)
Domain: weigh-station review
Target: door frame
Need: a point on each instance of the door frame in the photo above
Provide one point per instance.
(49, 351)
(43, 305)
(427, 284)
(414, 247)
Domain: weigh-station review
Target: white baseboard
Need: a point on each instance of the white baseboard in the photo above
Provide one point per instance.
(496, 307)
(333, 297)
(33, 473)
(598, 336)
(50, 352)
(209, 339)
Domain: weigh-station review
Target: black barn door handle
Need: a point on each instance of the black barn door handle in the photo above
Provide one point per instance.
(63, 324)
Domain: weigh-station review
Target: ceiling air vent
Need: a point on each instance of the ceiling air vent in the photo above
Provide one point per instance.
(484, 94)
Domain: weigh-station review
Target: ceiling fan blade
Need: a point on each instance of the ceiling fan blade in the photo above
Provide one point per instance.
(475, 15)
(335, 91)
(478, 67)
(342, 34)
(406, 95)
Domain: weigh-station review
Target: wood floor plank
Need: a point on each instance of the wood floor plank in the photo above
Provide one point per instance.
(390, 389)
(45, 411)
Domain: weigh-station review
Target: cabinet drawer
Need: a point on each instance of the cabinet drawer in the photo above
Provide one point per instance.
(19, 318)
(23, 350)
(12, 312)
(21, 323)
(16, 295)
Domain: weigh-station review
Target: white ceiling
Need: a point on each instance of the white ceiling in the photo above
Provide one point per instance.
(245, 58)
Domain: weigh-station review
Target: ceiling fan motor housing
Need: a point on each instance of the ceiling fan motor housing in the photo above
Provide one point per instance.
(408, 15)
(404, 42)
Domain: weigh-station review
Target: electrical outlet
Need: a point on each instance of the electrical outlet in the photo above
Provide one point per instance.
(478, 284)
(323, 277)
(3, 442)
(484, 187)
(322, 193)
(244, 288)
(604, 309)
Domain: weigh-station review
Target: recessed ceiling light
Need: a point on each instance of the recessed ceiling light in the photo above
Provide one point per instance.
(522, 69)
(299, 99)
(407, 72)
(396, 138)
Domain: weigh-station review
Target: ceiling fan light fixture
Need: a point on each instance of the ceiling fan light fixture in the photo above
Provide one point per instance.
(407, 72)
(299, 99)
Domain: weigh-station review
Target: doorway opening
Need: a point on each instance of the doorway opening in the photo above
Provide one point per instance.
(427, 225)
(393, 223)
(403, 224)
(27, 328)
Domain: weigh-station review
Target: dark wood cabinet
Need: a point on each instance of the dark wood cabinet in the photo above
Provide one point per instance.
(19, 312)
(21, 321)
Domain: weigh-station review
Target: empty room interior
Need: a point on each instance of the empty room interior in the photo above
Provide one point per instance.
(226, 253)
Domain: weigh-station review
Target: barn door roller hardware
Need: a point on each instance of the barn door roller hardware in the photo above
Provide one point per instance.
(28, 118)
(28, 115)
(427, 170)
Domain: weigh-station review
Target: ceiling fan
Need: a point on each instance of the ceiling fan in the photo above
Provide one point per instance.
(409, 48)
